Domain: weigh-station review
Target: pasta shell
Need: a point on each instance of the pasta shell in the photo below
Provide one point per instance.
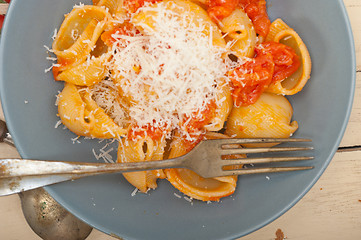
(224, 104)
(77, 36)
(293, 84)
(73, 113)
(113, 5)
(81, 115)
(144, 149)
(277, 26)
(269, 117)
(103, 126)
(240, 33)
(195, 186)
(87, 73)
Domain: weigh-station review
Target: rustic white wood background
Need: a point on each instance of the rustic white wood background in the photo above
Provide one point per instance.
(331, 210)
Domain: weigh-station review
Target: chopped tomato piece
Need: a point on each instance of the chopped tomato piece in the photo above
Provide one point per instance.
(154, 132)
(251, 79)
(200, 118)
(257, 12)
(255, 9)
(273, 62)
(285, 58)
(219, 9)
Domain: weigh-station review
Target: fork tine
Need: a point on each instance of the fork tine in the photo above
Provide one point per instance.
(238, 161)
(229, 141)
(263, 170)
(232, 151)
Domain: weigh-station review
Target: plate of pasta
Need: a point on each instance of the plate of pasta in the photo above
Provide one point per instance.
(143, 80)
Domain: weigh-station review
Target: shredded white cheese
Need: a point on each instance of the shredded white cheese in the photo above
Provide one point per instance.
(177, 195)
(55, 33)
(169, 74)
(134, 192)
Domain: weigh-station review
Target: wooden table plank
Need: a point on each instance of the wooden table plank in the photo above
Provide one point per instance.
(354, 10)
(352, 136)
(331, 210)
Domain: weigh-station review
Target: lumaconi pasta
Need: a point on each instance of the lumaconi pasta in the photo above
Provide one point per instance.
(82, 115)
(161, 75)
(87, 73)
(133, 151)
(206, 189)
(79, 33)
(240, 33)
(280, 32)
(269, 117)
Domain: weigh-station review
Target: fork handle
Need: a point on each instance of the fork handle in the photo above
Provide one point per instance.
(27, 167)
(17, 175)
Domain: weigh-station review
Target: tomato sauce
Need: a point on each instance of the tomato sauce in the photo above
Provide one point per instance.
(251, 79)
(257, 12)
(149, 130)
(272, 62)
(255, 9)
(285, 58)
(189, 145)
(109, 37)
(133, 5)
(197, 120)
(219, 9)
(61, 64)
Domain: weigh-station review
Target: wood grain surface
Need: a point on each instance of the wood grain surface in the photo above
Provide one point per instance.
(330, 210)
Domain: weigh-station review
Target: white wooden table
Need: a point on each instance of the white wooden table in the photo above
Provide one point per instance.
(331, 210)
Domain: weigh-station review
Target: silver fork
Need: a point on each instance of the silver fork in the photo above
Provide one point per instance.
(206, 159)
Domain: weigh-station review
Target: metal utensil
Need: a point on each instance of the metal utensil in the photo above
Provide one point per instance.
(206, 159)
(48, 219)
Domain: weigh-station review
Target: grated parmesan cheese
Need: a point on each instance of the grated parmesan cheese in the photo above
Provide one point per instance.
(58, 123)
(167, 75)
(74, 34)
(107, 97)
(48, 49)
(52, 65)
(55, 33)
(80, 5)
(134, 192)
(177, 195)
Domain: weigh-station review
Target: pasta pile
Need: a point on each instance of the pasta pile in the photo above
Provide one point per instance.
(161, 75)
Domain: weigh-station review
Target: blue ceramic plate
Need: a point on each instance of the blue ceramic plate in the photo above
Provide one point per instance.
(322, 110)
